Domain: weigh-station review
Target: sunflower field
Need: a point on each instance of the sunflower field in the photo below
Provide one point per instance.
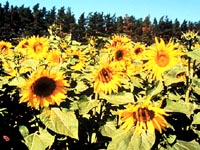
(57, 93)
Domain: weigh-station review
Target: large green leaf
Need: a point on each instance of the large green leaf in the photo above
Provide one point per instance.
(39, 141)
(119, 98)
(60, 121)
(180, 106)
(122, 140)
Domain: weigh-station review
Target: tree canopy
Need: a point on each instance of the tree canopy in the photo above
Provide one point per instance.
(23, 21)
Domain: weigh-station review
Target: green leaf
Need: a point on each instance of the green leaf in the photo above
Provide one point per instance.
(16, 81)
(119, 98)
(171, 76)
(185, 145)
(171, 139)
(46, 137)
(30, 63)
(39, 141)
(122, 140)
(108, 129)
(175, 96)
(195, 54)
(197, 132)
(23, 130)
(60, 121)
(34, 142)
(85, 105)
(144, 141)
(196, 118)
(196, 85)
(80, 87)
(175, 70)
(158, 88)
(180, 106)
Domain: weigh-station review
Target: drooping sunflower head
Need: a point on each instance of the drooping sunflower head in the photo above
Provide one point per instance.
(161, 57)
(43, 88)
(37, 47)
(107, 79)
(142, 116)
(190, 36)
(77, 58)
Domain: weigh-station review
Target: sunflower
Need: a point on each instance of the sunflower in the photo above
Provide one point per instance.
(22, 46)
(54, 57)
(121, 55)
(138, 50)
(43, 88)
(119, 39)
(143, 116)
(161, 57)
(77, 58)
(107, 79)
(6, 48)
(37, 47)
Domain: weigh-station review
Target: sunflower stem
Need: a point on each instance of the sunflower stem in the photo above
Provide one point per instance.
(96, 96)
(189, 77)
(188, 88)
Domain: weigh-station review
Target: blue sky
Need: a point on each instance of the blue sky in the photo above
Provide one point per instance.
(180, 9)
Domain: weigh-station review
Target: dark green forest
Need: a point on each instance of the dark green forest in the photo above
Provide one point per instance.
(23, 21)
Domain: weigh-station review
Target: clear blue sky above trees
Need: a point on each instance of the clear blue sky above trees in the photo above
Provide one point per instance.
(180, 9)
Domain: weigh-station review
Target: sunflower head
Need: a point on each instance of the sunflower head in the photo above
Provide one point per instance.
(6, 48)
(137, 51)
(54, 57)
(190, 36)
(161, 57)
(142, 116)
(118, 39)
(37, 47)
(43, 88)
(121, 55)
(107, 79)
(76, 57)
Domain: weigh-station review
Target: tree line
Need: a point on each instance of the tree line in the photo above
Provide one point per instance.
(23, 21)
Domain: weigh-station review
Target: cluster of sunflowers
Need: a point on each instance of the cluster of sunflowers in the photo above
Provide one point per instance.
(136, 95)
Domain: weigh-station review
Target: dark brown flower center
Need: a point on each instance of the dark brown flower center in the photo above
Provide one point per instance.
(76, 56)
(143, 114)
(4, 47)
(25, 44)
(138, 51)
(105, 75)
(43, 87)
(119, 55)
